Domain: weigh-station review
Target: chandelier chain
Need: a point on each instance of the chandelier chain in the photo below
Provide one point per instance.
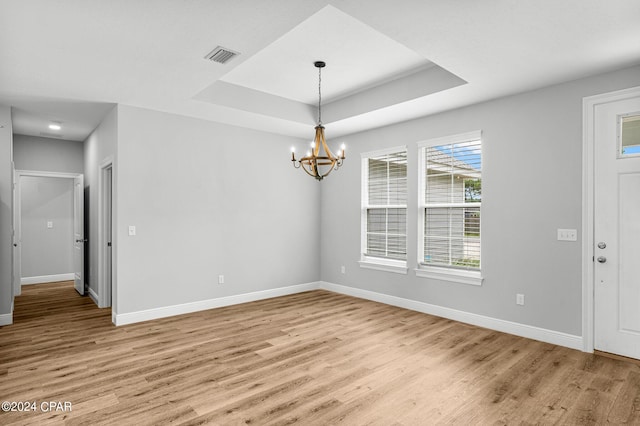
(319, 95)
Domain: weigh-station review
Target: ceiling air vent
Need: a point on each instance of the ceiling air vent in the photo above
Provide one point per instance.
(221, 55)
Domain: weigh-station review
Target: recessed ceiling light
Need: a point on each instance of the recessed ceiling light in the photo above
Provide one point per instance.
(55, 126)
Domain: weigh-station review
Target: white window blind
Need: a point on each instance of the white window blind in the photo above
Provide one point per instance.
(452, 201)
(385, 206)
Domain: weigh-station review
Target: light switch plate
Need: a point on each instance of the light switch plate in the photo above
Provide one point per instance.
(567, 235)
(49, 224)
(132, 230)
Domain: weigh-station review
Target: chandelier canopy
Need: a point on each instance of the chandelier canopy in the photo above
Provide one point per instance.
(319, 161)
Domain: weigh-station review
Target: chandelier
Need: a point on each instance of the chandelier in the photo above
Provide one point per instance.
(316, 163)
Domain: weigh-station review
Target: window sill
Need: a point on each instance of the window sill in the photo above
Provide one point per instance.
(396, 267)
(454, 275)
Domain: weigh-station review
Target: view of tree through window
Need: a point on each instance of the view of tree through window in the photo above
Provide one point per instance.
(452, 201)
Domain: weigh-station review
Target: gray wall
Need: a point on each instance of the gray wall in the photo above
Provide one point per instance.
(48, 154)
(46, 251)
(532, 185)
(208, 199)
(6, 205)
(98, 147)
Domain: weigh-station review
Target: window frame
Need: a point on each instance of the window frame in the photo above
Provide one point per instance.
(442, 272)
(372, 262)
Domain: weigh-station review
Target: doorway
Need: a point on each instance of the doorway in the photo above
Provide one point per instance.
(42, 221)
(105, 236)
(612, 207)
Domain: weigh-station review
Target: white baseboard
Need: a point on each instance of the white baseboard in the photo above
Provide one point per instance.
(94, 296)
(523, 330)
(47, 278)
(202, 305)
(6, 319)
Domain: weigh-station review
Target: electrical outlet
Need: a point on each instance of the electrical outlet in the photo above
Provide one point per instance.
(49, 224)
(220, 279)
(343, 269)
(519, 299)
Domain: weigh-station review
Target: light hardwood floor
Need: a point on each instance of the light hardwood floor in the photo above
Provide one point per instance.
(310, 358)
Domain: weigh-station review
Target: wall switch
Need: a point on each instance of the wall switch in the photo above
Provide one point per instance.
(343, 269)
(220, 279)
(519, 299)
(567, 235)
(132, 230)
(49, 224)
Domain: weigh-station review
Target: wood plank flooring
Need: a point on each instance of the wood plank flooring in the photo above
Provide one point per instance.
(314, 358)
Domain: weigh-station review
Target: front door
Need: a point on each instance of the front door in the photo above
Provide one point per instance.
(617, 227)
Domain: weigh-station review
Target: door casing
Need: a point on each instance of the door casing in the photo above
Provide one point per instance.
(17, 261)
(589, 105)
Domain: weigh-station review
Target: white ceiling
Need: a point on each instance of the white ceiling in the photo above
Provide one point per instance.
(387, 61)
(360, 57)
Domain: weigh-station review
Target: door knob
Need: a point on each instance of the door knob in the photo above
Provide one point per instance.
(602, 245)
(602, 259)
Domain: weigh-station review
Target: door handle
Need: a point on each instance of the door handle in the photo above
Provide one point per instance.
(15, 244)
(82, 241)
(601, 259)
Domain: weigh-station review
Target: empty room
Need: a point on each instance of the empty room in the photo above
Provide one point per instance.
(319, 212)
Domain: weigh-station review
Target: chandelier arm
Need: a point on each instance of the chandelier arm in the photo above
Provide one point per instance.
(307, 171)
(318, 140)
(328, 171)
(325, 147)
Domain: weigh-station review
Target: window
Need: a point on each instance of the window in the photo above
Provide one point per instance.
(450, 205)
(629, 134)
(384, 210)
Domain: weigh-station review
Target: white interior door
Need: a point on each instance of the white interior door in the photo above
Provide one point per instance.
(617, 227)
(78, 233)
